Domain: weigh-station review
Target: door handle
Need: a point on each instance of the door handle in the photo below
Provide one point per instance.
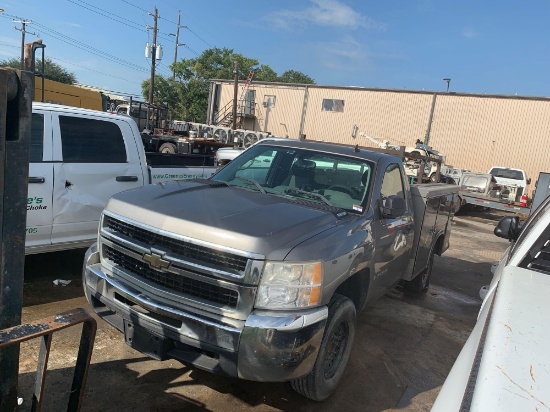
(37, 179)
(126, 178)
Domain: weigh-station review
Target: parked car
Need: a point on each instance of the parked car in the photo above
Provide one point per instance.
(79, 158)
(259, 271)
(505, 363)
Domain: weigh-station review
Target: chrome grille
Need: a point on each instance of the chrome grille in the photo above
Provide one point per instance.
(188, 286)
(184, 249)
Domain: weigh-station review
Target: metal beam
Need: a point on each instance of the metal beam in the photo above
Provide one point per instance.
(16, 94)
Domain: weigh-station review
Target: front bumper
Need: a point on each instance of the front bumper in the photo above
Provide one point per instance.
(268, 347)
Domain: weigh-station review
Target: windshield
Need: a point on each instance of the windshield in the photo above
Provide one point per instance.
(340, 181)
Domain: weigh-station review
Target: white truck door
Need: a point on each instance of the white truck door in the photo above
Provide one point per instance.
(39, 195)
(98, 157)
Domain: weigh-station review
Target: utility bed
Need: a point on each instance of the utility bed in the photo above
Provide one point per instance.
(433, 205)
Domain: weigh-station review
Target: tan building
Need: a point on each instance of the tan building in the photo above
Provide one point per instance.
(474, 131)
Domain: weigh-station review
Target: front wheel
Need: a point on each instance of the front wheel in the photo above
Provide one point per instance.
(333, 354)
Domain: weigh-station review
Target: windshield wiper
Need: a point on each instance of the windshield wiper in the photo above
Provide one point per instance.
(310, 194)
(246, 179)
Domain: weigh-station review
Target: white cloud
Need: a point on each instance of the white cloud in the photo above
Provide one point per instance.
(347, 55)
(68, 23)
(324, 13)
(469, 32)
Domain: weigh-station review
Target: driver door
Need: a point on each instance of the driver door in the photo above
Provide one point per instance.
(393, 236)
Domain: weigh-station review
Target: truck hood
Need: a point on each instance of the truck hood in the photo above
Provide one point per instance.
(233, 217)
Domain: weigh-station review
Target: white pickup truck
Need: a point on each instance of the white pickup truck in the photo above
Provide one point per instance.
(79, 159)
(512, 178)
(505, 363)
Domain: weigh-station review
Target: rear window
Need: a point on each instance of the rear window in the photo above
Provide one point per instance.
(507, 173)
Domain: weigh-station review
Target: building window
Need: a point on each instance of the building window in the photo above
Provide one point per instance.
(269, 101)
(332, 105)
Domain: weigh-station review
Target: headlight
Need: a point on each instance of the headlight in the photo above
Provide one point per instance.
(290, 285)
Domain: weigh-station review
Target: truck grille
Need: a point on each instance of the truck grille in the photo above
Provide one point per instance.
(188, 286)
(181, 248)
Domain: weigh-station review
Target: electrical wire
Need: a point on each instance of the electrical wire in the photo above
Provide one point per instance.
(205, 42)
(92, 70)
(134, 25)
(187, 47)
(95, 9)
(133, 5)
(75, 43)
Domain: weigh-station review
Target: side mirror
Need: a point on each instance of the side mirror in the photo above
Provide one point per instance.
(395, 206)
(528, 180)
(508, 228)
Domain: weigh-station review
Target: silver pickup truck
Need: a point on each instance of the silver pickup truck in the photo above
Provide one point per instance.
(259, 271)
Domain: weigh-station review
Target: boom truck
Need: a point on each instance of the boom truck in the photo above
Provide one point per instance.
(259, 271)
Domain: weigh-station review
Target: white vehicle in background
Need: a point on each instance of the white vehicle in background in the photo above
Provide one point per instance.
(226, 154)
(505, 363)
(79, 158)
(412, 165)
(513, 178)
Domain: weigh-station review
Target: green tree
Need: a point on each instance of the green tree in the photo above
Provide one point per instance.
(187, 95)
(52, 70)
(293, 76)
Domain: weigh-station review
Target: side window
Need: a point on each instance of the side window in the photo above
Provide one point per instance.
(91, 141)
(37, 137)
(392, 184)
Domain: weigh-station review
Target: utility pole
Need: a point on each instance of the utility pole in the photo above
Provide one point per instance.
(22, 30)
(235, 93)
(153, 57)
(177, 44)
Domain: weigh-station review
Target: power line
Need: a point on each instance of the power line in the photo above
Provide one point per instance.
(137, 7)
(208, 44)
(112, 16)
(95, 9)
(9, 45)
(187, 47)
(92, 70)
(78, 44)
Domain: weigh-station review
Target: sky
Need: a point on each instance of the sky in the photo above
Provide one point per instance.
(491, 47)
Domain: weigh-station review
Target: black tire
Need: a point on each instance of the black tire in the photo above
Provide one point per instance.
(168, 148)
(421, 282)
(334, 353)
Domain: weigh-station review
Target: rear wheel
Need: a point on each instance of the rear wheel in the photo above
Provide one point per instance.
(168, 148)
(421, 282)
(334, 353)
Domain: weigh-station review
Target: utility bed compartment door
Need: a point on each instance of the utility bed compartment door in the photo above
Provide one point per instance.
(434, 204)
(427, 231)
(95, 158)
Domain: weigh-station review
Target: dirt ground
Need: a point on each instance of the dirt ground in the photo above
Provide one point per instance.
(404, 345)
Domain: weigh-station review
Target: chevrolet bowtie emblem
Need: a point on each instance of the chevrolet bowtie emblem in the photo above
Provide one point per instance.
(156, 261)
